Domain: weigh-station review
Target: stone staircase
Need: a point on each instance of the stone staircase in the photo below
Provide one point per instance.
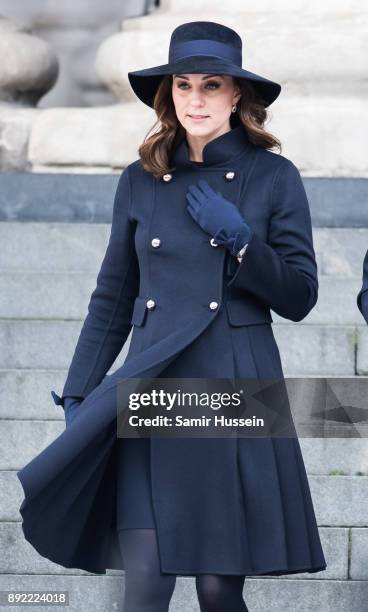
(47, 272)
(53, 234)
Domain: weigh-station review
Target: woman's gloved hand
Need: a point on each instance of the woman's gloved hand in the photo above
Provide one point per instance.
(218, 217)
(71, 405)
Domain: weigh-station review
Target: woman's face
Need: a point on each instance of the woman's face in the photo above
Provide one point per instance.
(207, 97)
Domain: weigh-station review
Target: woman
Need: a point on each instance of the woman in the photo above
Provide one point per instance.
(210, 231)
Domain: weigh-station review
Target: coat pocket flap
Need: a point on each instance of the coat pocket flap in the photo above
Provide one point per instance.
(139, 311)
(246, 312)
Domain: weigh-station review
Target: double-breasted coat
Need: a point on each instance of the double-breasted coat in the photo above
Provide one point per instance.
(221, 505)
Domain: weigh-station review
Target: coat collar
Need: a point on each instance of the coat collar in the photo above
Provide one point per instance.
(217, 152)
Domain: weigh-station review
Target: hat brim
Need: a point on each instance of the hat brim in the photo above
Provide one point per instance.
(145, 82)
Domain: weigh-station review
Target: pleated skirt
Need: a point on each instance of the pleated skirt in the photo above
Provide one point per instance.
(273, 509)
(134, 492)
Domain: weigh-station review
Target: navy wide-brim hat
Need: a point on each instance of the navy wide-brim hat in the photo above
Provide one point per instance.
(202, 47)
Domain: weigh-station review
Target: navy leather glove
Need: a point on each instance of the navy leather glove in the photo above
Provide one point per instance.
(71, 405)
(218, 217)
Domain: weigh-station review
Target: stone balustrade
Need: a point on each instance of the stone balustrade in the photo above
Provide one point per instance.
(28, 68)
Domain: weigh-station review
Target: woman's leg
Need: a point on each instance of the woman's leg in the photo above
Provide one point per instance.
(146, 588)
(219, 593)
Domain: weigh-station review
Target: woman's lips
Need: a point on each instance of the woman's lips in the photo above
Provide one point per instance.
(198, 117)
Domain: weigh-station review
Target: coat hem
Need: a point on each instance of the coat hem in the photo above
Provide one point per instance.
(246, 572)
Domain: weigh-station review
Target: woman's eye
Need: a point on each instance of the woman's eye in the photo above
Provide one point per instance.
(210, 84)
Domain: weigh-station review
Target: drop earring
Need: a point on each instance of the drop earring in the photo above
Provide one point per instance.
(233, 108)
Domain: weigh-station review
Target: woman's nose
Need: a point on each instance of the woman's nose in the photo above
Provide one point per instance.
(196, 96)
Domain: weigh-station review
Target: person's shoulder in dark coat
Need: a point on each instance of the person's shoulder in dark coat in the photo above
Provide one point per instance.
(362, 297)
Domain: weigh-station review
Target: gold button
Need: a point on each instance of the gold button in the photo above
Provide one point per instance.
(150, 304)
(167, 177)
(213, 305)
(213, 243)
(229, 176)
(155, 242)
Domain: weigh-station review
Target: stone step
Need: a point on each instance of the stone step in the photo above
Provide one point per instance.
(26, 394)
(41, 344)
(90, 593)
(337, 201)
(22, 558)
(329, 456)
(359, 547)
(322, 456)
(80, 247)
(41, 295)
(362, 351)
(339, 501)
(53, 247)
(316, 350)
(65, 295)
(45, 295)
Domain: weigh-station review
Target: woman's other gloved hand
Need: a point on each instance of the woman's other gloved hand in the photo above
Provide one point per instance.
(218, 217)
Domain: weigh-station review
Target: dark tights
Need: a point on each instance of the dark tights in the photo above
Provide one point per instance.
(148, 590)
(218, 593)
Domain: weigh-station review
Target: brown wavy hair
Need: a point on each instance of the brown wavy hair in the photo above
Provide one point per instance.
(155, 151)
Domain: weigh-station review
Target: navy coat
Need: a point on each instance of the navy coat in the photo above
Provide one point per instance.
(228, 506)
(362, 297)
